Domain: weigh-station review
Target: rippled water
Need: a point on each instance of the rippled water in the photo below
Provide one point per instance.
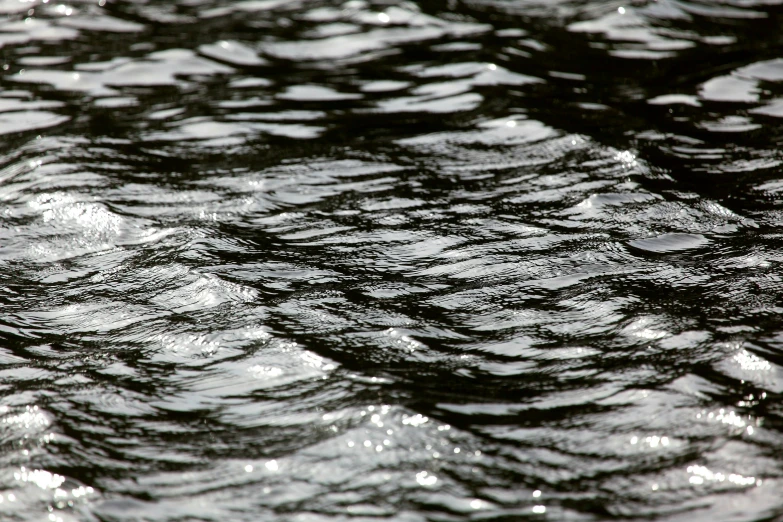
(446, 260)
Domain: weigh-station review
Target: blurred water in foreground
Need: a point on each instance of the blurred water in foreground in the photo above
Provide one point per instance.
(409, 261)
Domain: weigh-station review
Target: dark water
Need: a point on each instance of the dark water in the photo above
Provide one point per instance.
(446, 260)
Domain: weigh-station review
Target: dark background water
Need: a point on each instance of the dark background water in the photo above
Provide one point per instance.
(435, 260)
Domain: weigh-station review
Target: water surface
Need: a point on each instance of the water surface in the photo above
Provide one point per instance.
(406, 261)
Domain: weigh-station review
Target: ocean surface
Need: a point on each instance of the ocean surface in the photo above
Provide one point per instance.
(491, 260)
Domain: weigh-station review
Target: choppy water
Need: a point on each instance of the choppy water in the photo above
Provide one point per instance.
(446, 260)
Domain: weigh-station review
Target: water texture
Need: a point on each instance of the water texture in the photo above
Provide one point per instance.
(410, 261)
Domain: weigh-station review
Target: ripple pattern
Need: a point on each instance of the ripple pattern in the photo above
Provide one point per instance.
(406, 261)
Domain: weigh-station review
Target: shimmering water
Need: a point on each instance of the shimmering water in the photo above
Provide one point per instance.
(410, 261)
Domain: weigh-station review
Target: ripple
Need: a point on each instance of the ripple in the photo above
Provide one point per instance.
(669, 243)
(274, 260)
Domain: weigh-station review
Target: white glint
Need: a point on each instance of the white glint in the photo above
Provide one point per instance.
(41, 478)
(752, 363)
(621, 10)
(272, 465)
(248, 468)
(627, 158)
(414, 420)
(425, 479)
(702, 474)
(384, 18)
(539, 509)
(742, 481)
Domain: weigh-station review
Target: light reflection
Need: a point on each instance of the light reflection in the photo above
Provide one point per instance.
(539, 509)
(627, 158)
(725, 417)
(414, 420)
(82, 491)
(407, 341)
(425, 479)
(751, 362)
(654, 441)
(265, 372)
(41, 478)
(31, 417)
(700, 474)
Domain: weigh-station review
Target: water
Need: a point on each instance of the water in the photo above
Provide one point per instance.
(446, 260)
